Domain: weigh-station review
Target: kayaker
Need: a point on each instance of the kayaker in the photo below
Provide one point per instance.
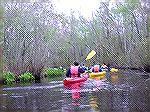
(96, 68)
(90, 67)
(84, 67)
(75, 70)
(104, 66)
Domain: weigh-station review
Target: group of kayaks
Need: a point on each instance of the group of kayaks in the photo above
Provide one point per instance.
(85, 76)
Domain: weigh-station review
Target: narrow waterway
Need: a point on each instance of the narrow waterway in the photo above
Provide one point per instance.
(125, 91)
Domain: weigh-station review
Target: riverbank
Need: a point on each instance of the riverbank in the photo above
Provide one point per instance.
(1, 78)
(56, 72)
(141, 69)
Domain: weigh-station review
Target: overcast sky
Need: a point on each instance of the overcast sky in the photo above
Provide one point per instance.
(85, 7)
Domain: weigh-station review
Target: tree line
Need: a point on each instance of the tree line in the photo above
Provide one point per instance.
(33, 36)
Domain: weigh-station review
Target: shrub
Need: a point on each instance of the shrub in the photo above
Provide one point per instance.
(26, 77)
(53, 72)
(8, 77)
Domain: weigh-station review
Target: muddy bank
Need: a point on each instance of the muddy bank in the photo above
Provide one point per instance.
(141, 69)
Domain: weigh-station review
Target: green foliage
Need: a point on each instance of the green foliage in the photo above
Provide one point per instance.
(1, 74)
(132, 4)
(53, 72)
(49, 34)
(26, 77)
(132, 1)
(121, 9)
(127, 7)
(8, 77)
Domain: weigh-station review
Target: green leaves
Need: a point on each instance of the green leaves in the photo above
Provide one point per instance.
(53, 72)
(126, 7)
(121, 9)
(26, 77)
(132, 1)
(8, 77)
(49, 33)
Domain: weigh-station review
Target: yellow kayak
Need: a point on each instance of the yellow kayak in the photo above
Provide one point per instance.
(87, 71)
(113, 70)
(92, 75)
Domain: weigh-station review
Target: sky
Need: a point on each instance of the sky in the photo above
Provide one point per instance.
(85, 7)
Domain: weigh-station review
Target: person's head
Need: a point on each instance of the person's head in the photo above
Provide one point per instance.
(108, 64)
(76, 63)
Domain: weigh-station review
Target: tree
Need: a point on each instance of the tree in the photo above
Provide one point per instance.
(1, 36)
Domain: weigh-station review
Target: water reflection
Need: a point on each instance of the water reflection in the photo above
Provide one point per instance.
(93, 101)
(121, 92)
(31, 98)
(114, 78)
(74, 99)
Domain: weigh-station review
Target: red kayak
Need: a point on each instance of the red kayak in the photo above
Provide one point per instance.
(68, 81)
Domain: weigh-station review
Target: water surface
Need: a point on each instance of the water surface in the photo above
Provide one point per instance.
(125, 91)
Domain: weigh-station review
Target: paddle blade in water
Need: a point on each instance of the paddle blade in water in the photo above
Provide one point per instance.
(90, 55)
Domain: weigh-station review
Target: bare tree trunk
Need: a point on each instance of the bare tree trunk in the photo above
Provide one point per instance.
(147, 66)
(1, 57)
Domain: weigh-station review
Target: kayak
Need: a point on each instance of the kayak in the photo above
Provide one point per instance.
(97, 74)
(99, 77)
(87, 71)
(69, 81)
(111, 70)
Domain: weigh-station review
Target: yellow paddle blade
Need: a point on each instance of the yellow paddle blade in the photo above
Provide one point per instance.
(90, 55)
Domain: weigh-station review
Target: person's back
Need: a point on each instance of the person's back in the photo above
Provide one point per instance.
(96, 68)
(74, 70)
(84, 67)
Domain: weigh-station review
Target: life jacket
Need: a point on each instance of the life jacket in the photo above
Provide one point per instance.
(74, 71)
(96, 68)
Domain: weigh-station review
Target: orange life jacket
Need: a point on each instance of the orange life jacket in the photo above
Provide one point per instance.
(96, 68)
(74, 71)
